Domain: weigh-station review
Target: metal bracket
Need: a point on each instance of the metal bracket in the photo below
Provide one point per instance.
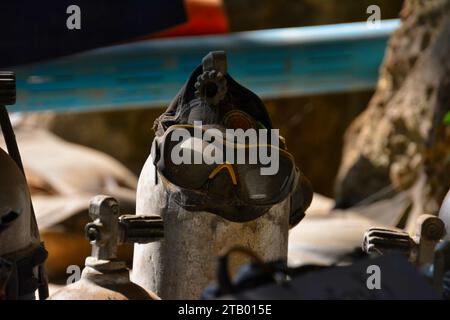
(110, 229)
(420, 250)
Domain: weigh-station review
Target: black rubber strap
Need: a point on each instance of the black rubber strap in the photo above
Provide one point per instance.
(10, 138)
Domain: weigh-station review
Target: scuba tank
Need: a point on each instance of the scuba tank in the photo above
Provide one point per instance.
(22, 255)
(209, 207)
(104, 276)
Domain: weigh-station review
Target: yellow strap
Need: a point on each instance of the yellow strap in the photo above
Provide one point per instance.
(229, 168)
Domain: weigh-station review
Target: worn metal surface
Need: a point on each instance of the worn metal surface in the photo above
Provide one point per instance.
(384, 240)
(15, 210)
(108, 229)
(430, 230)
(274, 63)
(61, 193)
(20, 244)
(95, 285)
(183, 264)
(105, 277)
(419, 249)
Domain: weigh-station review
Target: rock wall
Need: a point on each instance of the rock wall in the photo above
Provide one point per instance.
(401, 143)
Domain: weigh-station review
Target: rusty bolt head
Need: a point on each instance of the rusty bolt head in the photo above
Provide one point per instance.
(92, 232)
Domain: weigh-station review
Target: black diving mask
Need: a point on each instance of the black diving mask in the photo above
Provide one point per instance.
(202, 168)
(222, 176)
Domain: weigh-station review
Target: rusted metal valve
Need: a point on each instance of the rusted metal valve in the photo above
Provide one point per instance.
(104, 276)
(110, 229)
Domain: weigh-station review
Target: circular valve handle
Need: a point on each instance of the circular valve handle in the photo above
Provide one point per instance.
(211, 85)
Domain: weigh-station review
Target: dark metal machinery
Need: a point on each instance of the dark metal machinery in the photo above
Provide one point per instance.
(22, 255)
(428, 249)
(419, 248)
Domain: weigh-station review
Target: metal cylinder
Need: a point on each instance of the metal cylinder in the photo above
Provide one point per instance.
(220, 199)
(184, 263)
(96, 285)
(21, 251)
(15, 208)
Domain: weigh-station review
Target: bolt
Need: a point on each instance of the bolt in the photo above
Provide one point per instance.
(93, 233)
(115, 210)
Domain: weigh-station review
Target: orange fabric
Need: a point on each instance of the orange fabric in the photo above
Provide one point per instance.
(204, 17)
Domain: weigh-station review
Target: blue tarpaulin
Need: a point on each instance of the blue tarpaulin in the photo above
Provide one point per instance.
(272, 63)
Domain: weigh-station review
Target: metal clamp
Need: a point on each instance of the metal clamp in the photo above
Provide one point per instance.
(110, 229)
(420, 249)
